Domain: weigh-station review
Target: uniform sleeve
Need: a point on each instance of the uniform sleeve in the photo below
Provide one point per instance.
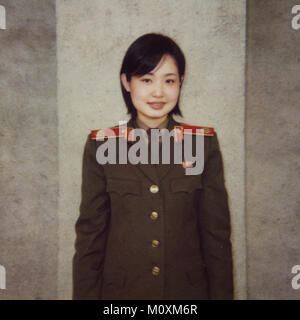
(214, 225)
(91, 228)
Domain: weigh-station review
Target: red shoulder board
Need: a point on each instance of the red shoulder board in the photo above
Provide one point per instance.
(188, 129)
(114, 132)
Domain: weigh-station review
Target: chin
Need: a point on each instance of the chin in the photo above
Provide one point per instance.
(158, 113)
(155, 115)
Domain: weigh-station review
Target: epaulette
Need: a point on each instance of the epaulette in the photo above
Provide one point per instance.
(183, 129)
(114, 132)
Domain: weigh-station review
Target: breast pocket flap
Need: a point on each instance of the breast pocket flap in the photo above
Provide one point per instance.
(123, 187)
(186, 184)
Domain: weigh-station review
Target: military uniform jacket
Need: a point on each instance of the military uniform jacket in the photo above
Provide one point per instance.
(152, 232)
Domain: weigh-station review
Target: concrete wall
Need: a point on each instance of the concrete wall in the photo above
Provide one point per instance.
(92, 39)
(273, 166)
(28, 157)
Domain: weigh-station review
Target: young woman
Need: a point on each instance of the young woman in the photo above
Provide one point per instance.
(150, 231)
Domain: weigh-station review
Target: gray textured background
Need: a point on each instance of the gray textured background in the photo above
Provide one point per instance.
(29, 149)
(41, 140)
(273, 153)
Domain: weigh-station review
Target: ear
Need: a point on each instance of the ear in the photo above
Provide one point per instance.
(181, 80)
(125, 83)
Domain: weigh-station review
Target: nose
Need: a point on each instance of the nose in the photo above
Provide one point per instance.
(158, 89)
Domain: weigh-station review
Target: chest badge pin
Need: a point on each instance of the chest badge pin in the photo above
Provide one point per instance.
(187, 164)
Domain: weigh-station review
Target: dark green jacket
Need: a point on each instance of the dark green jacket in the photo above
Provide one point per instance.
(188, 219)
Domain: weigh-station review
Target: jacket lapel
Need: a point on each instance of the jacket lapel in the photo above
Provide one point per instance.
(164, 169)
(156, 172)
(146, 169)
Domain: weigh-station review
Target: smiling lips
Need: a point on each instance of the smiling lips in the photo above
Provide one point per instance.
(156, 105)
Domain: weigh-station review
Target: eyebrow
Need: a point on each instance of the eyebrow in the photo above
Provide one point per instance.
(166, 75)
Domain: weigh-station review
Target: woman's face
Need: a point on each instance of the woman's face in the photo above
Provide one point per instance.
(156, 93)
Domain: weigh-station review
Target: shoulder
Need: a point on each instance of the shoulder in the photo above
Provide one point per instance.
(111, 132)
(211, 140)
(182, 129)
(204, 130)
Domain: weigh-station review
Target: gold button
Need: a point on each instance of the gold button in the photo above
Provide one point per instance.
(155, 243)
(154, 215)
(155, 271)
(154, 188)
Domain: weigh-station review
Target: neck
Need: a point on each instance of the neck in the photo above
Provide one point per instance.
(152, 123)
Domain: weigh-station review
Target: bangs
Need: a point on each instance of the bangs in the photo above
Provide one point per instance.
(147, 63)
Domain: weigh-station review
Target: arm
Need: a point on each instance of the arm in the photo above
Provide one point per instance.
(214, 225)
(91, 228)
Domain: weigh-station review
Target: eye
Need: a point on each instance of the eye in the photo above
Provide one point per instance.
(146, 80)
(170, 81)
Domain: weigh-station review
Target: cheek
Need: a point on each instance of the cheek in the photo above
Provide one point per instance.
(138, 94)
(173, 93)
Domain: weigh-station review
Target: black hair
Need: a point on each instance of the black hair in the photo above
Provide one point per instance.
(143, 55)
